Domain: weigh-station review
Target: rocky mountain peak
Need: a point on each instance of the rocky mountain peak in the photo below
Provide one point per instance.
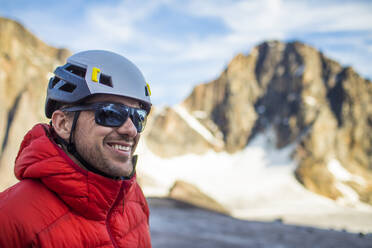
(307, 99)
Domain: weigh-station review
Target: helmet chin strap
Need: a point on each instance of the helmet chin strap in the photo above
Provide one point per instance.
(71, 148)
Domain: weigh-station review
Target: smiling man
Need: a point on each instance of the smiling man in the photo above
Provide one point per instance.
(77, 175)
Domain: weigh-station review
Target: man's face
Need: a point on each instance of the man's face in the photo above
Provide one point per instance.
(109, 149)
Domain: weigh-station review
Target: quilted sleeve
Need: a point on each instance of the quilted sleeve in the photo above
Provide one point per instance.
(12, 232)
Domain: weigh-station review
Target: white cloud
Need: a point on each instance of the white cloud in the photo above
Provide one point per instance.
(274, 16)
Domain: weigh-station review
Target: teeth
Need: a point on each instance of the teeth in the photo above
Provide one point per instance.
(121, 148)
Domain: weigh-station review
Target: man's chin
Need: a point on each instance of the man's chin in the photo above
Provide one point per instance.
(122, 170)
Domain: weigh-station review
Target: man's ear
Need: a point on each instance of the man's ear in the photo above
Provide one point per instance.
(61, 124)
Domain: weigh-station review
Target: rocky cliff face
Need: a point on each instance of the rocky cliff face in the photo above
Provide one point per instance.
(306, 98)
(25, 67)
(165, 134)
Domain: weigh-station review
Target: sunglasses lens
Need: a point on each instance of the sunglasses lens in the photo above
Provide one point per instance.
(114, 115)
(139, 119)
(111, 115)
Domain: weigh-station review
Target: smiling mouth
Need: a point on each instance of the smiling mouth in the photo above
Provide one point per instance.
(121, 148)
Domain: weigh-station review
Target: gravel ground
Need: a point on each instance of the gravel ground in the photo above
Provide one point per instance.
(178, 224)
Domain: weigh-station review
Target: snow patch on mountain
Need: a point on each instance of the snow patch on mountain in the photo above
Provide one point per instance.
(350, 197)
(257, 183)
(197, 126)
(340, 173)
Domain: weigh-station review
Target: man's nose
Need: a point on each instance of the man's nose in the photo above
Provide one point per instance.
(128, 128)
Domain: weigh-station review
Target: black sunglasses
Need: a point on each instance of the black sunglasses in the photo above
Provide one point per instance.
(111, 114)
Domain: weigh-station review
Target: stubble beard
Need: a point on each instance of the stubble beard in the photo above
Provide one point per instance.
(120, 167)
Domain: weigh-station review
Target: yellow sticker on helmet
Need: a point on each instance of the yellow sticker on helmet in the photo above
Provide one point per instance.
(95, 72)
(148, 88)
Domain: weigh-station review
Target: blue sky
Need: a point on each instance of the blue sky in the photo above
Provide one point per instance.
(178, 44)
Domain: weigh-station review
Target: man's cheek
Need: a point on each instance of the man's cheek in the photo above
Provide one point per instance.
(136, 139)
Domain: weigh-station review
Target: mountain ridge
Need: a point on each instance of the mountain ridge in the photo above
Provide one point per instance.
(307, 98)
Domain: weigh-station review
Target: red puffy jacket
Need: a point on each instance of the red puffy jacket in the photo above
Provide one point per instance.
(58, 204)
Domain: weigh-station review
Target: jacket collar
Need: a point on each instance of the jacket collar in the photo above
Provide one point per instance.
(89, 194)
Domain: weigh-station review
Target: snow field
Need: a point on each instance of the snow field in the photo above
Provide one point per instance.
(257, 183)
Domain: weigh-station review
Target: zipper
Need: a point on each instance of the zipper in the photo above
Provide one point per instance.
(110, 213)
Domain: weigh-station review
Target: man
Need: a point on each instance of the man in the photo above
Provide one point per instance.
(77, 175)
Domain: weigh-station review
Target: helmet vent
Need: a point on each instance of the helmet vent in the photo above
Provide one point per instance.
(55, 80)
(76, 70)
(106, 80)
(68, 87)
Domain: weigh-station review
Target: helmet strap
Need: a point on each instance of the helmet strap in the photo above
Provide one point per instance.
(71, 148)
